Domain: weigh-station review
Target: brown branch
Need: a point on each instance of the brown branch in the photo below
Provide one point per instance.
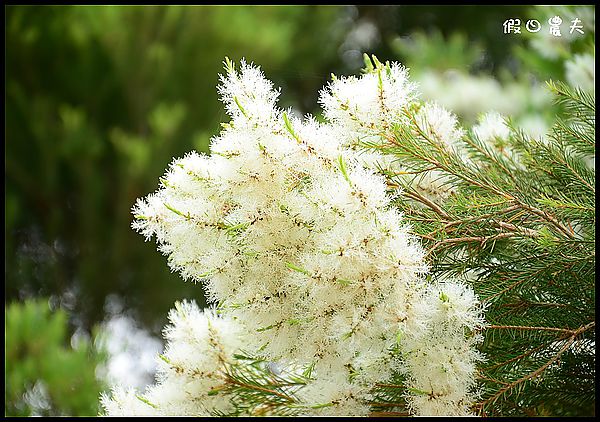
(522, 355)
(542, 368)
(425, 236)
(390, 385)
(492, 379)
(520, 327)
(548, 218)
(522, 230)
(450, 224)
(483, 217)
(493, 204)
(387, 404)
(420, 198)
(480, 239)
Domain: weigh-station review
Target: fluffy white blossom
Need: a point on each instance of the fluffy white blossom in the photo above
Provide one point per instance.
(492, 128)
(439, 350)
(291, 233)
(373, 100)
(439, 124)
(126, 402)
(199, 346)
(335, 395)
(361, 110)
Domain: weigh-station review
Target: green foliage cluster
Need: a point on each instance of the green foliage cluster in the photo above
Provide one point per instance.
(44, 374)
(520, 228)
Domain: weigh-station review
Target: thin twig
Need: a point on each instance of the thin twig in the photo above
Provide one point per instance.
(545, 366)
(418, 197)
(522, 355)
(517, 229)
(521, 327)
(492, 380)
(480, 239)
(548, 218)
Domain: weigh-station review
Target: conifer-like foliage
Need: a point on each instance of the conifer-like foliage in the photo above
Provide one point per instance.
(519, 225)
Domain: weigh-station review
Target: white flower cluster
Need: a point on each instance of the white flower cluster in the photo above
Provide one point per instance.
(439, 357)
(199, 347)
(361, 105)
(492, 129)
(362, 110)
(438, 124)
(295, 240)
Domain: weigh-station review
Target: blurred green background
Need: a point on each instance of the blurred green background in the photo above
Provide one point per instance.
(99, 99)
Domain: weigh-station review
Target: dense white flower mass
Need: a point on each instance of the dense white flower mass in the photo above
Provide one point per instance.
(363, 110)
(290, 234)
(371, 101)
(439, 356)
(199, 346)
(295, 239)
(438, 123)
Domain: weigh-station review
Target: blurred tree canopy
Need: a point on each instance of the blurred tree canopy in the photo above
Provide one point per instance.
(98, 101)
